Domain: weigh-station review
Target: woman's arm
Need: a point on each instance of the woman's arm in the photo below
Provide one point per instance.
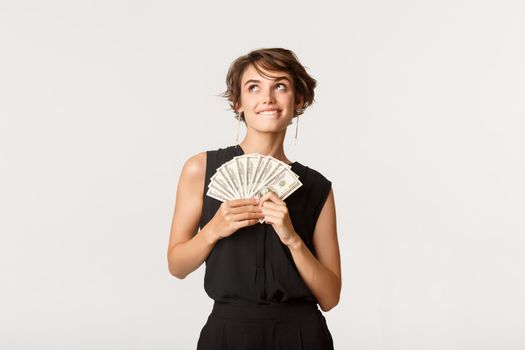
(188, 248)
(322, 274)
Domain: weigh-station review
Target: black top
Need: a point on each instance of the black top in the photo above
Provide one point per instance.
(252, 265)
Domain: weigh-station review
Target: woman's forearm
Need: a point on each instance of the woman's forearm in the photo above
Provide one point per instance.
(324, 283)
(186, 257)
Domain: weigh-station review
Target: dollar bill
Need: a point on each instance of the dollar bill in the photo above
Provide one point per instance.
(217, 194)
(219, 181)
(231, 185)
(253, 165)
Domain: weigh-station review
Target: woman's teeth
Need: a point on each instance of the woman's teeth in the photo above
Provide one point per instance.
(269, 112)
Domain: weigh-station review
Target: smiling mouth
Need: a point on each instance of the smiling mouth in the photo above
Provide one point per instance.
(272, 112)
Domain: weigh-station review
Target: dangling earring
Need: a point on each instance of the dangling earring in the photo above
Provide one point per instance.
(296, 128)
(238, 127)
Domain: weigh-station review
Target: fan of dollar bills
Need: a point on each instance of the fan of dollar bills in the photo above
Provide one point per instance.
(251, 176)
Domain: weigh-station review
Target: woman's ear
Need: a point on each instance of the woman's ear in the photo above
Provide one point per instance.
(299, 103)
(236, 108)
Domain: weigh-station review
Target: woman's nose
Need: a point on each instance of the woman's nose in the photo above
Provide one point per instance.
(268, 97)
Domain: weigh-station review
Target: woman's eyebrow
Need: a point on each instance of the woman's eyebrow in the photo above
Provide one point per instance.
(258, 81)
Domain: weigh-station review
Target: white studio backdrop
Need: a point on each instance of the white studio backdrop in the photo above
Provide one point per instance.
(418, 122)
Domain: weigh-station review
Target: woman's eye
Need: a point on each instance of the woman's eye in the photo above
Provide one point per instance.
(250, 88)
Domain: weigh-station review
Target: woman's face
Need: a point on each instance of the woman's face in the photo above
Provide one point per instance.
(268, 104)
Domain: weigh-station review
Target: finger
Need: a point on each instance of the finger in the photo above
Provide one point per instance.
(272, 196)
(272, 212)
(264, 198)
(271, 205)
(247, 216)
(243, 201)
(245, 223)
(246, 208)
(269, 219)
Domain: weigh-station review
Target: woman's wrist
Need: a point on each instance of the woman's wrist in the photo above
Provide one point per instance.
(294, 242)
(210, 237)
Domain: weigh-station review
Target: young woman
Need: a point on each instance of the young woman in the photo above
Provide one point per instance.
(266, 279)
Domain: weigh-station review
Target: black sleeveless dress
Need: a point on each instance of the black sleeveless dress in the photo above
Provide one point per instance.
(260, 299)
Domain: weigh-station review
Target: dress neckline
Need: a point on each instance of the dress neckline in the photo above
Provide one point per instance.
(241, 152)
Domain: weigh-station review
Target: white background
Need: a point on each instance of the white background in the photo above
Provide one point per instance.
(418, 122)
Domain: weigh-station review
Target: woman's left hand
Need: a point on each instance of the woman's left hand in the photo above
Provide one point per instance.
(276, 214)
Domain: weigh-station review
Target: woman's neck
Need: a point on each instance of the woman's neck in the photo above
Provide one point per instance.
(268, 145)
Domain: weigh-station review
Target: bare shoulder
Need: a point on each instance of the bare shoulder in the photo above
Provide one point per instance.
(195, 166)
(192, 177)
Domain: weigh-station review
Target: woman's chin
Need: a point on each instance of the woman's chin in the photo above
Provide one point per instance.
(276, 128)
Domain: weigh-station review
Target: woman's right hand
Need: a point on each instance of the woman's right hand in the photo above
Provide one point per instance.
(233, 215)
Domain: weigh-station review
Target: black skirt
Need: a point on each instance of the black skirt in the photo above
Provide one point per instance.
(286, 326)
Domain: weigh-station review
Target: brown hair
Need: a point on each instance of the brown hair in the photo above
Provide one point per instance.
(271, 59)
